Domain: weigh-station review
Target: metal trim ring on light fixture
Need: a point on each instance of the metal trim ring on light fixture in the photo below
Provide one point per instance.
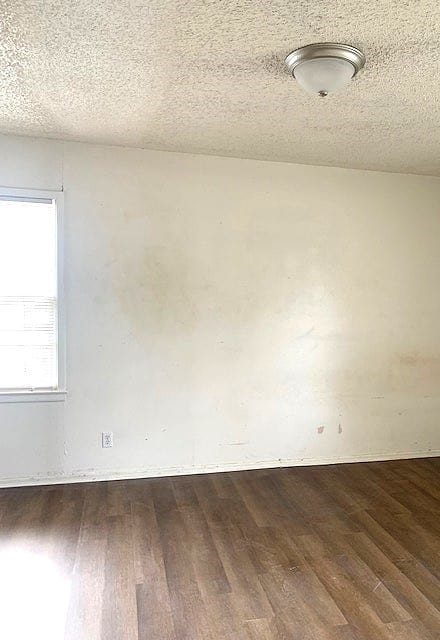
(326, 50)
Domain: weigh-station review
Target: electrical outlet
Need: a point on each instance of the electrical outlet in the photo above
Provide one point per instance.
(107, 439)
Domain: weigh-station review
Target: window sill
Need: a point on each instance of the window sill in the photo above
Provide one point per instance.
(32, 396)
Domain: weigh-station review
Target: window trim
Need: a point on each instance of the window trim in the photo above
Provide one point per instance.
(58, 394)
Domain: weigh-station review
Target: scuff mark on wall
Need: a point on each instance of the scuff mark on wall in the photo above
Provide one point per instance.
(236, 444)
(307, 333)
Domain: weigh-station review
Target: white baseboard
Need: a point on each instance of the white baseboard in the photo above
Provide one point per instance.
(91, 475)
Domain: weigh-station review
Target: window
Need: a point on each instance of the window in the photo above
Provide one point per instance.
(31, 332)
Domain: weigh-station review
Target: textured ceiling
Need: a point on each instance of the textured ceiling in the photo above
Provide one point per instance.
(207, 76)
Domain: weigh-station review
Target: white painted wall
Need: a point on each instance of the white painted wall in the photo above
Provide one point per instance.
(221, 311)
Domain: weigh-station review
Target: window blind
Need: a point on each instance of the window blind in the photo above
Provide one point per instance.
(28, 294)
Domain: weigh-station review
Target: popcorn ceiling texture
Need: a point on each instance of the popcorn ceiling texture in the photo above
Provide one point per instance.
(207, 76)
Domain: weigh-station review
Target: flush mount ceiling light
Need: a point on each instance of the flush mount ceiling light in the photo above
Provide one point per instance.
(324, 67)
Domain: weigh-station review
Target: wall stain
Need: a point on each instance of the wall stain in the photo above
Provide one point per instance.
(419, 360)
(321, 430)
(396, 371)
(339, 428)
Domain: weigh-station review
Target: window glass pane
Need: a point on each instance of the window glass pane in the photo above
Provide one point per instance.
(28, 295)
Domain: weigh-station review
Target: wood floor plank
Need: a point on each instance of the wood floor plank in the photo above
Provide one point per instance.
(84, 617)
(119, 608)
(153, 602)
(187, 605)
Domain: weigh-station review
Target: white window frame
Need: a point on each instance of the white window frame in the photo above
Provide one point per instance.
(59, 394)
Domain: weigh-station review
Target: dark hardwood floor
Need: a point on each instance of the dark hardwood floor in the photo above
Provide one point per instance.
(346, 552)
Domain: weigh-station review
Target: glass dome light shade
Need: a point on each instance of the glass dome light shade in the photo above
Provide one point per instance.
(321, 76)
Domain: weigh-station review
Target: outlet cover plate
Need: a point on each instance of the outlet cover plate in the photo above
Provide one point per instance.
(107, 439)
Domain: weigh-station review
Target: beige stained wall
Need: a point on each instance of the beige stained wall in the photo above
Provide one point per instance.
(229, 313)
